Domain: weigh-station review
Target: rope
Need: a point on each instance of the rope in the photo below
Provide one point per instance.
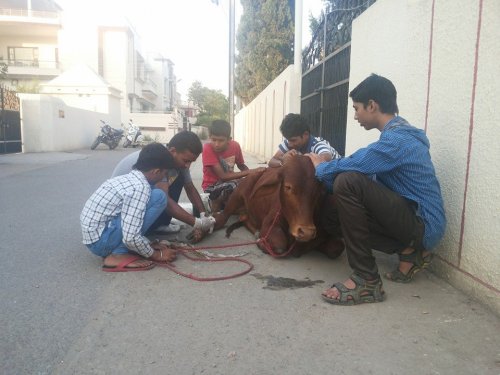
(266, 244)
(216, 278)
(262, 241)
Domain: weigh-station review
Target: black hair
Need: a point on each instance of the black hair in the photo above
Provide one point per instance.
(294, 125)
(186, 140)
(152, 156)
(380, 90)
(220, 128)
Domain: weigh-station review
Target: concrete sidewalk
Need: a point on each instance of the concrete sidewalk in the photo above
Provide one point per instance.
(61, 314)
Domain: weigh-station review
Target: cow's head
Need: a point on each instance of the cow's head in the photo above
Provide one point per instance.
(299, 192)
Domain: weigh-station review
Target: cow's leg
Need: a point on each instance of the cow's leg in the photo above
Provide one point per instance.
(333, 247)
(235, 204)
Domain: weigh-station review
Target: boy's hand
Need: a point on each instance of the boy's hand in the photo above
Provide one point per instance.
(315, 158)
(257, 170)
(162, 253)
(205, 223)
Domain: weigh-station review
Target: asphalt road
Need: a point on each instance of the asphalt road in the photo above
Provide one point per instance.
(60, 314)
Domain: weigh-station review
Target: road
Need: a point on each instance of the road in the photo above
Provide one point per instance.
(60, 314)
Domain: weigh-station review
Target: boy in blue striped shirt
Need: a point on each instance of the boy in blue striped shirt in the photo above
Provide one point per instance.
(298, 139)
(385, 197)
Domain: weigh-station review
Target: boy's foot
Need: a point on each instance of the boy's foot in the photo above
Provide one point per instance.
(117, 260)
(410, 263)
(355, 290)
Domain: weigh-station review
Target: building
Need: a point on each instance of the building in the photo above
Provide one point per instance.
(29, 42)
(39, 41)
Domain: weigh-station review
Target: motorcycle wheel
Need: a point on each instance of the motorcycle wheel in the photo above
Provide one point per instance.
(95, 143)
(126, 143)
(113, 145)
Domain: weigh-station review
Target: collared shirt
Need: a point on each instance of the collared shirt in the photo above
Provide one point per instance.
(127, 195)
(316, 145)
(401, 161)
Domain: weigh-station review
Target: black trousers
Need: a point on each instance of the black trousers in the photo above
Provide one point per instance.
(371, 216)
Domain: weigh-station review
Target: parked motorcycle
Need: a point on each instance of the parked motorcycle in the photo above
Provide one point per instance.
(134, 136)
(109, 136)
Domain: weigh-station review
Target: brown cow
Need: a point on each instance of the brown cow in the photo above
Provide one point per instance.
(283, 207)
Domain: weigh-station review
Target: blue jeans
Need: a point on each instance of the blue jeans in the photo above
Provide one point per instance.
(111, 241)
(174, 192)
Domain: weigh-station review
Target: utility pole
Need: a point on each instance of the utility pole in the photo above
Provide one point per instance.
(231, 61)
(231, 64)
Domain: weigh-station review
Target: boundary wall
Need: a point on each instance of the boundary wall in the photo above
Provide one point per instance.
(442, 56)
(256, 126)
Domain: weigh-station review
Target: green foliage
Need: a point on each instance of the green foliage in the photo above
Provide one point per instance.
(313, 24)
(28, 87)
(3, 70)
(265, 45)
(213, 104)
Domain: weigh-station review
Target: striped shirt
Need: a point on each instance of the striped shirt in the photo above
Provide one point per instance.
(401, 161)
(316, 145)
(127, 195)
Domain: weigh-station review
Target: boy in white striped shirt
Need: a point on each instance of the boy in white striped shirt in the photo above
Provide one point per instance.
(298, 140)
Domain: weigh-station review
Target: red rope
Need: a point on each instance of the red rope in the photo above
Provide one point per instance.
(266, 244)
(197, 278)
(262, 240)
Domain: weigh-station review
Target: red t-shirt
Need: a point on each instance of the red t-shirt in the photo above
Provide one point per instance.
(228, 159)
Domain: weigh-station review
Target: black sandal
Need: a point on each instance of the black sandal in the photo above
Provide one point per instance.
(419, 263)
(366, 291)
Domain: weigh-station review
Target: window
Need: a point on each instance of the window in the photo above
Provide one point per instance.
(23, 56)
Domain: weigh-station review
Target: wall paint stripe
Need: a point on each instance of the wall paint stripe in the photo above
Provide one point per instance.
(471, 131)
(429, 70)
(485, 284)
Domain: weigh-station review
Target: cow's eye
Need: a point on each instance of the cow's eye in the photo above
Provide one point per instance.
(288, 188)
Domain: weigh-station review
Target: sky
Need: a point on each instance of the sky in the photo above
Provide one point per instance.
(194, 34)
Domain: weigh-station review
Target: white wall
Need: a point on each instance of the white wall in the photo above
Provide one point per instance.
(166, 124)
(436, 94)
(43, 129)
(256, 126)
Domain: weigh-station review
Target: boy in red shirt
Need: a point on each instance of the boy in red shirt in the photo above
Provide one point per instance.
(219, 158)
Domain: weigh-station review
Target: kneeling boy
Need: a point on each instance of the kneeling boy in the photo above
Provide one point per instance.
(115, 218)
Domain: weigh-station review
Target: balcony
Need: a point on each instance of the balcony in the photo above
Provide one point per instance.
(149, 90)
(23, 22)
(33, 16)
(26, 68)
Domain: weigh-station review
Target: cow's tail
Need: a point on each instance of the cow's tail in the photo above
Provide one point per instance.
(234, 226)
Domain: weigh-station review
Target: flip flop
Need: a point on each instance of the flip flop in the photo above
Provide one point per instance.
(122, 267)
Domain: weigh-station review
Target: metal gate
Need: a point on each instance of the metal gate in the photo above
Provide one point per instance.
(325, 81)
(10, 122)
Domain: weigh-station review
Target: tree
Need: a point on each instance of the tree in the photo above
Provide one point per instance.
(213, 104)
(265, 45)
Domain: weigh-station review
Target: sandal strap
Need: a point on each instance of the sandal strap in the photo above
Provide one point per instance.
(365, 291)
(358, 280)
(415, 257)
